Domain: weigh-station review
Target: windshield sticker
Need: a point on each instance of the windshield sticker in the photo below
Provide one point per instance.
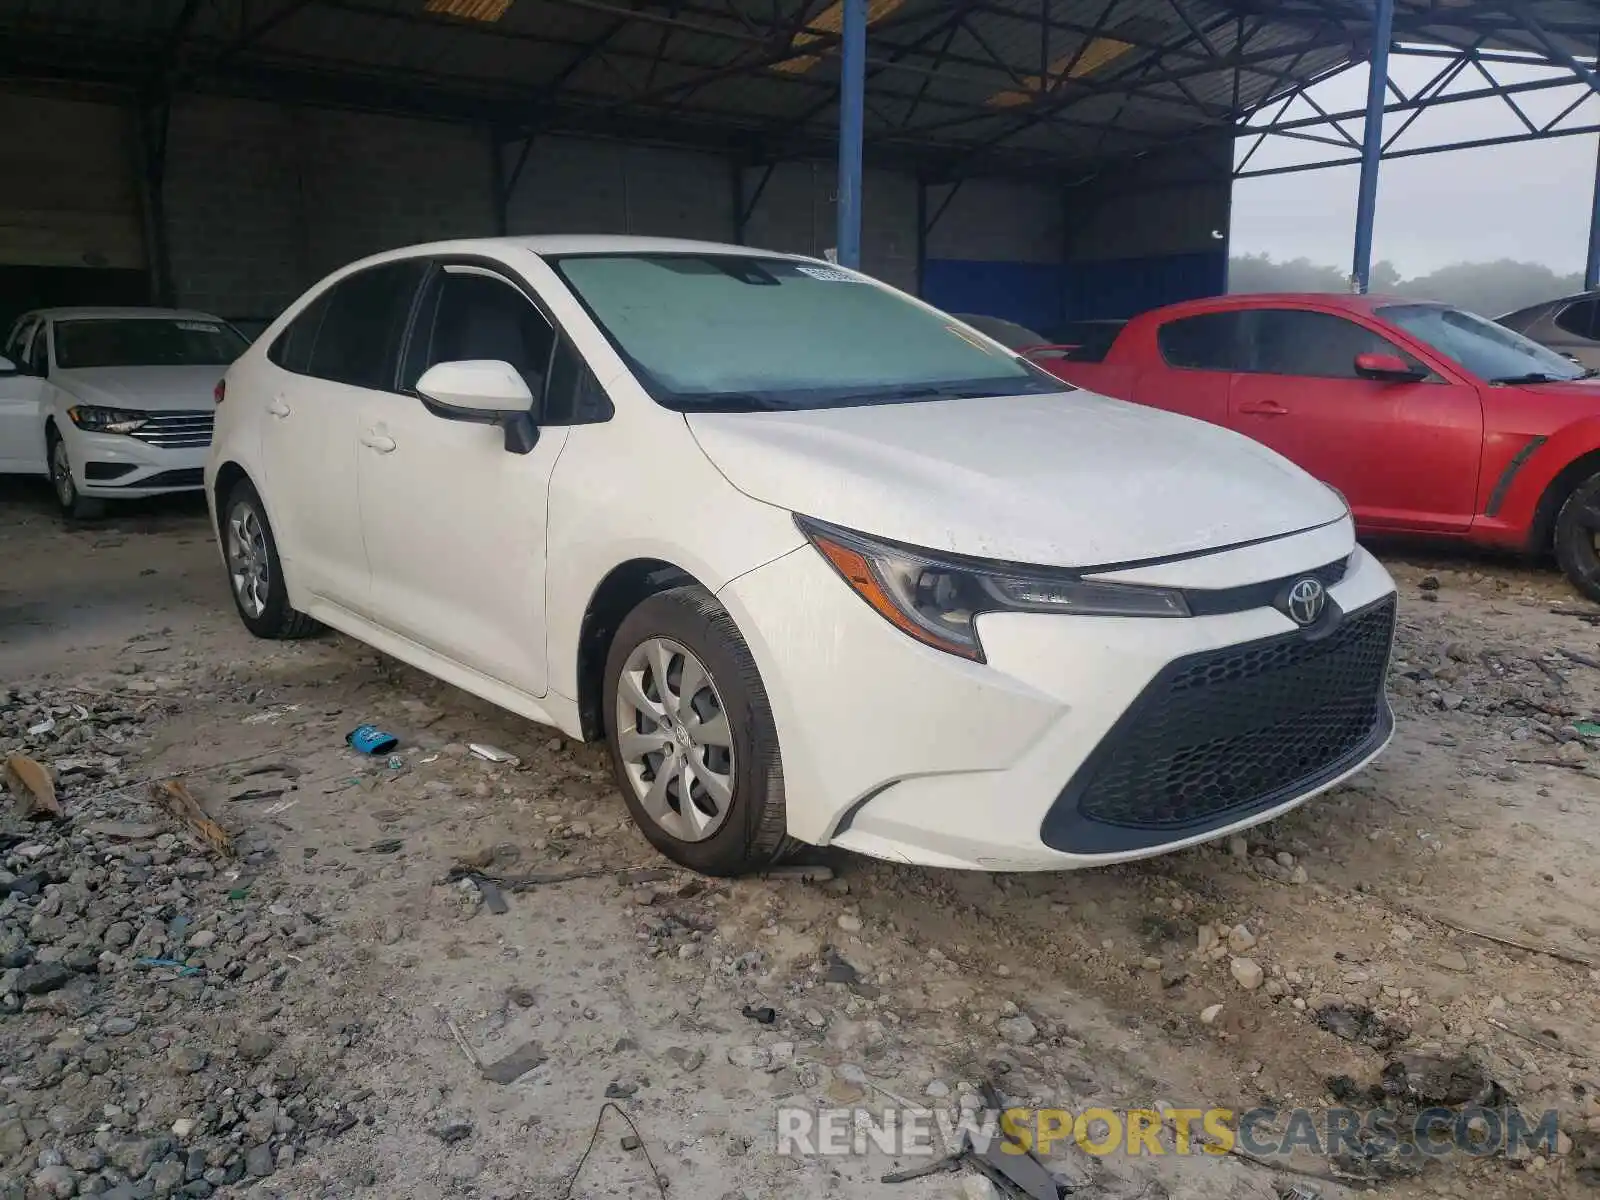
(198, 326)
(828, 274)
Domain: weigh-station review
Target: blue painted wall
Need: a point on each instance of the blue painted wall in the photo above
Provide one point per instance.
(1042, 295)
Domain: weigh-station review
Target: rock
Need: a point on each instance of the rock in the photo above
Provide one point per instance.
(849, 922)
(1206, 938)
(1246, 973)
(1298, 876)
(183, 1127)
(1238, 848)
(119, 1026)
(187, 1060)
(41, 978)
(134, 1156)
(751, 1058)
(1240, 939)
(630, 1142)
(256, 1045)
(937, 1088)
(1150, 963)
(1018, 1030)
(13, 1139)
(259, 1162)
(621, 1089)
(57, 1181)
(515, 1065)
(165, 1177)
(977, 1187)
(687, 1058)
(1209, 1014)
(1453, 960)
(118, 934)
(1452, 701)
(462, 1169)
(202, 939)
(452, 1130)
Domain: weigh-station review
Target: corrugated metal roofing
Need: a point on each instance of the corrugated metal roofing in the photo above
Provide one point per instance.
(1031, 84)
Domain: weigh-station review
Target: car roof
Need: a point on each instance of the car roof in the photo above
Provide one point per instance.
(573, 243)
(125, 313)
(1347, 301)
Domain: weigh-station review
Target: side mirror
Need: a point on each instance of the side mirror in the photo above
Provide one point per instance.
(486, 390)
(1387, 368)
(7, 367)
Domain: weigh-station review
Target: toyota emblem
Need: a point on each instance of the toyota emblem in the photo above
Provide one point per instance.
(1306, 600)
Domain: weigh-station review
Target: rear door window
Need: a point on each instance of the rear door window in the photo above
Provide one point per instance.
(1581, 319)
(1207, 342)
(358, 340)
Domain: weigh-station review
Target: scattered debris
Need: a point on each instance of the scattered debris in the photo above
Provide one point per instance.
(31, 786)
(656, 1176)
(761, 1016)
(514, 1066)
(174, 796)
(493, 898)
(369, 739)
(493, 754)
(1357, 1023)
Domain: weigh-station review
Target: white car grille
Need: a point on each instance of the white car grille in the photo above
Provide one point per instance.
(177, 430)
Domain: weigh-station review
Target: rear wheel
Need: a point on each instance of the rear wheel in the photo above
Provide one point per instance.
(255, 572)
(1578, 537)
(73, 505)
(692, 739)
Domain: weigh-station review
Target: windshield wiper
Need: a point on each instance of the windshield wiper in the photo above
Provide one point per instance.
(1530, 377)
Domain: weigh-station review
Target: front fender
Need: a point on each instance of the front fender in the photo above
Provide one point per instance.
(1520, 476)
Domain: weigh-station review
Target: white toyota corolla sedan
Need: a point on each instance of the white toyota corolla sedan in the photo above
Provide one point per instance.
(819, 562)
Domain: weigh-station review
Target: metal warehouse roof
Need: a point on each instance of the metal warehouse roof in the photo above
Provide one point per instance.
(954, 86)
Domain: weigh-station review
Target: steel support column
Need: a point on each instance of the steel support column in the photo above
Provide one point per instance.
(1591, 269)
(852, 111)
(1372, 141)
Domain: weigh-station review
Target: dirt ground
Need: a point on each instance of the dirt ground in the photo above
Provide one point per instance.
(383, 980)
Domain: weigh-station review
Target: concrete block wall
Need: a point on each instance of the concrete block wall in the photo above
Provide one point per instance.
(68, 187)
(263, 199)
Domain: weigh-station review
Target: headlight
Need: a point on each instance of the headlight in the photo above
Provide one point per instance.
(936, 598)
(106, 420)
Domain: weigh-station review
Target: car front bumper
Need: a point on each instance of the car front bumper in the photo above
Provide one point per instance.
(117, 465)
(1082, 741)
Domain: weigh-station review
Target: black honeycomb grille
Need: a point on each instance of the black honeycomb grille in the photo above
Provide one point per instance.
(1237, 729)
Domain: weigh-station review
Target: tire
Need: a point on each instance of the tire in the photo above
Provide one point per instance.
(74, 507)
(255, 572)
(1578, 537)
(742, 829)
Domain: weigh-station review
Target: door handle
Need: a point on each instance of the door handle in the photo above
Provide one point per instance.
(278, 408)
(379, 442)
(1264, 408)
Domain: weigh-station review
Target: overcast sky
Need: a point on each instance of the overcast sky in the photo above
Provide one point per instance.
(1525, 201)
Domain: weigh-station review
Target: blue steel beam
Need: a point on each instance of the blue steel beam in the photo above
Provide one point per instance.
(1372, 141)
(852, 115)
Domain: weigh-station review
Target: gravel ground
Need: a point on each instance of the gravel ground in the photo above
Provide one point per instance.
(334, 1011)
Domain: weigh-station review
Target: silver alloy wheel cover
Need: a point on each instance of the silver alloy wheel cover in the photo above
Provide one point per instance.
(248, 569)
(676, 746)
(61, 473)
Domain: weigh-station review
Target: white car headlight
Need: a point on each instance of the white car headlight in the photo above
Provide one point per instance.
(94, 419)
(935, 598)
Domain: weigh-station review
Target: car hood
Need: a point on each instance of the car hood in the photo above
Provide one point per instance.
(151, 389)
(1070, 480)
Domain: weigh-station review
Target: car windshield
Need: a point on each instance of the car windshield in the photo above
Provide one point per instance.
(710, 332)
(145, 342)
(1490, 351)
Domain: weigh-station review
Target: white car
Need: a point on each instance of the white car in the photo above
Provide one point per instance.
(111, 403)
(820, 563)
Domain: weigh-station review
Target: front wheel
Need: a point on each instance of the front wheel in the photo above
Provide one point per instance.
(692, 739)
(74, 505)
(255, 571)
(1578, 537)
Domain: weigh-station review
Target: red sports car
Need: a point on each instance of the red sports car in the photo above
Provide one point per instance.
(1430, 420)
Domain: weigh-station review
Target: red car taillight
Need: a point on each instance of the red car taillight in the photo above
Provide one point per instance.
(220, 392)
